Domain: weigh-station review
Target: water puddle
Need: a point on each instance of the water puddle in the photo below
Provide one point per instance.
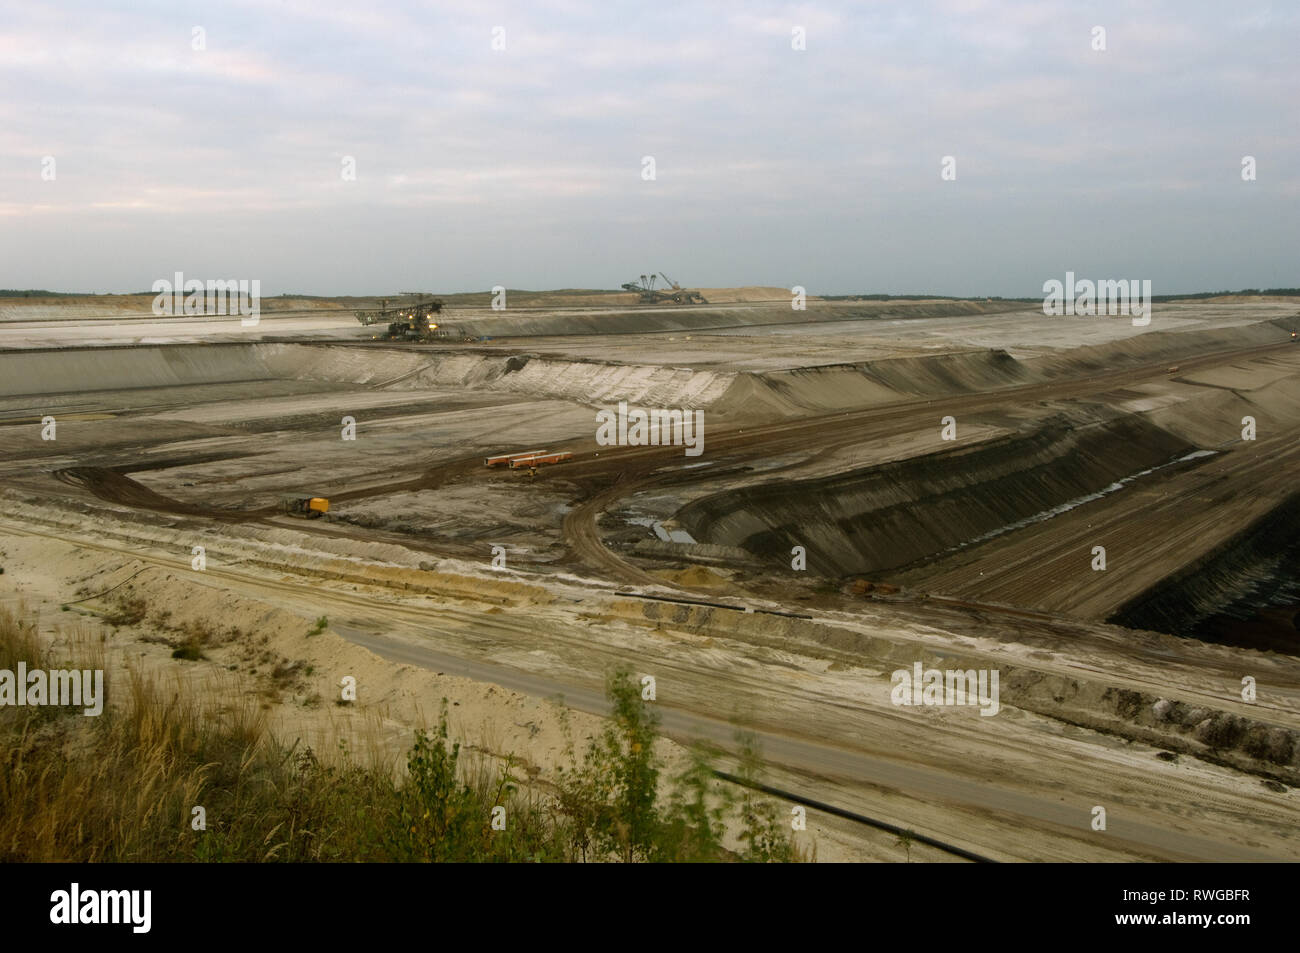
(665, 534)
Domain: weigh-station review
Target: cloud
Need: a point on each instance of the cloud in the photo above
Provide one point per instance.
(459, 142)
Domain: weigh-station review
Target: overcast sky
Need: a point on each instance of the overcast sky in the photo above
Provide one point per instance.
(523, 167)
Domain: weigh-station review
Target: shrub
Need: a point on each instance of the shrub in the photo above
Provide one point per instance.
(123, 787)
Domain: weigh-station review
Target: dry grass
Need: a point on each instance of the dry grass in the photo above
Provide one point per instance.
(124, 786)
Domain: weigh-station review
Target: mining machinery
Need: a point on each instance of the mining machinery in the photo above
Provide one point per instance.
(671, 292)
(308, 507)
(411, 321)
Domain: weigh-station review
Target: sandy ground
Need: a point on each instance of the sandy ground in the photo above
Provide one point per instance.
(165, 448)
(823, 713)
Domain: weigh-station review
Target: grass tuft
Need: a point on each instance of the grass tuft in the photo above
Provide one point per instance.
(125, 786)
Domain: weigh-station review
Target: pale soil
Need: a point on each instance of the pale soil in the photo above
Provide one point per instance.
(417, 614)
(565, 632)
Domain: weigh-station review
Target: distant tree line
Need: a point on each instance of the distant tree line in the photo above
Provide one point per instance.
(1276, 292)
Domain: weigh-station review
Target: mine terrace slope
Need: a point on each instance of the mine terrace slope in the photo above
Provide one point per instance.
(823, 430)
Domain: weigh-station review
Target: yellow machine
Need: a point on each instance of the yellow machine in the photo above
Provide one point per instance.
(309, 507)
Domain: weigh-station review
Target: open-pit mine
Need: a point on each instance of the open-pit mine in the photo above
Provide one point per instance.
(1095, 519)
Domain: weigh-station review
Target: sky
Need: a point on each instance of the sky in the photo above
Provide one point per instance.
(506, 144)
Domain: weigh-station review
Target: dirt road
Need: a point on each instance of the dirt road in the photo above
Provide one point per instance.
(1024, 791)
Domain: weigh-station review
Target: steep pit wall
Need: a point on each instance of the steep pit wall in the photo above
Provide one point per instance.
(81, 370)
(87, 370)
(886, 517)
(694, 318)
(1255, 569)
(585, 382)
(1155, 345)
(834, 387)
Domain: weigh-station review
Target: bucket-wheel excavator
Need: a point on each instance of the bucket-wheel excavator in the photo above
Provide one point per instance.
(671, 292)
